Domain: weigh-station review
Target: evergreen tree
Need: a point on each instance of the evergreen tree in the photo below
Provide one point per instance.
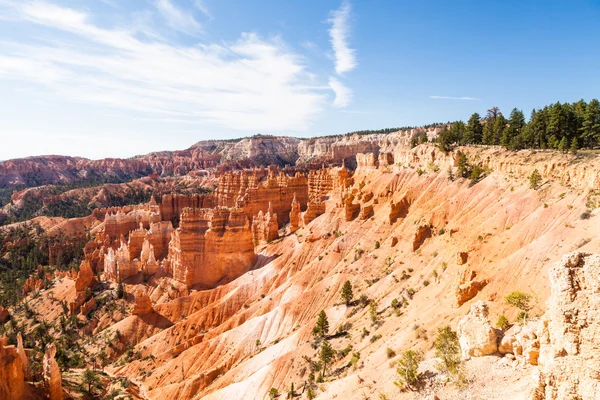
(563, 145)
(498, 128)
(488, 128)
(347, 294)
(473, 131)
(321, 328)
(326, 355)
(590, 126)
(574, 146)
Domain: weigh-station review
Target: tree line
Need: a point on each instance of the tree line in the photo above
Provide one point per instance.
(560, 126)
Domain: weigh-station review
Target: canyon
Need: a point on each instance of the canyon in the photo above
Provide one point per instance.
(213, 292)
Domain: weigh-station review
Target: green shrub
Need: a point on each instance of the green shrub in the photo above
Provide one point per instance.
(520, 300)
(502, 323)
(447, 348)
(390, 352)
(408, 369)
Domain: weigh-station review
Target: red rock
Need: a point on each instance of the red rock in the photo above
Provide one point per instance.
(295, 214)
(4, 315)
(423, 232)
(142, 305)
(51, 374)
(211, 246)
(85, 277)
(264, 227)
(12, 379)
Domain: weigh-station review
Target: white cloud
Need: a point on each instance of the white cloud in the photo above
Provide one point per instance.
(178, 19)
(345, 57)
(453, 98)
(343, 94)
(251, 85)
(199, 4)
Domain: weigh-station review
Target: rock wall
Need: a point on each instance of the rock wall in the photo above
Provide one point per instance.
(569, 349)
(476, 335)
(265, 227)
(325, 181)
(211, 246)
(172, 204)
(12, 379)
(249, 191)
(120, 224)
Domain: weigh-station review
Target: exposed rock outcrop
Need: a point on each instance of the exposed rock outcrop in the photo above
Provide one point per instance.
(467, 287)
(462, 257)
(51, 374)
(23, 355)
(211, 246)
(366, 161)
(4, 315)
(295, 215)
(12, 379)
(351, 209)
(142, 305)
(313, 210)
(476, 335)
(568, 333)
(85, 277)
(423, 233)
(521, 341)
(265, 227)
(399, 209)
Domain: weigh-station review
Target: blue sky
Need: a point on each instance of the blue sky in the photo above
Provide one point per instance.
(116, 78)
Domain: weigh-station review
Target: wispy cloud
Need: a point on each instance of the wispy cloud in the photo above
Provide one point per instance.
(178, 19)
(251, 84)
(343, 94)
(453, 98)
(345, 57)
(199, 4)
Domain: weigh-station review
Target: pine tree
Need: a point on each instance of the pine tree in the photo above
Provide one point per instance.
(590, 126)
(373, 312)
(473, 131)
(321, 328)
(326, 355)
(535, 179)
(498, 128)
(574, 146)
(562, 145)
(347, 294)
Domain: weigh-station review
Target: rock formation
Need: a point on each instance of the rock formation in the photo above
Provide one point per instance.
(12, 379)
(462, 257)
(85, 277)
(295, 215)
(22, 355)
(366, 212)
(521, 341)
(211, 246)
(88, 306)
(51, 374)
(467, 287)
(142, 305)
(385, 159)
(399, 209)
(351, 209)
(569, 358)
(366, 161)
(423, 232)
(265, 227)
(4, 315)
(172, 204)
(476, 335)
(313, 210)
